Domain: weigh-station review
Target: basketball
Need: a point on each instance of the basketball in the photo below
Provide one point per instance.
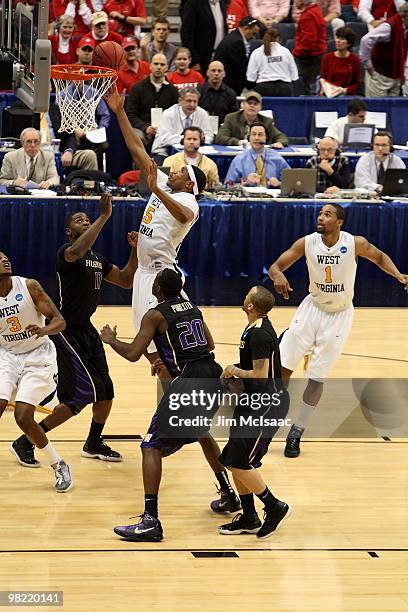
(382, 401)
(109, 54)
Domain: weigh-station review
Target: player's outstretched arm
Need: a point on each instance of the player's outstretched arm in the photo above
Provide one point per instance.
(381, 259)
(84, 242)
(115, 101)
(287, 259)
(46, 307)
(124, 278)
(179, 212)
(133, 351)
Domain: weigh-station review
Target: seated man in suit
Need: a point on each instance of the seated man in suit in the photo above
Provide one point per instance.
(371, 167)
(30, 163)
(235, 129)
(257, 165)
(333, 170)
(178, 117)
(193, 138)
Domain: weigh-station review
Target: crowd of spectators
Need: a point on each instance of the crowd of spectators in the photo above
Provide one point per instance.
(233, 53)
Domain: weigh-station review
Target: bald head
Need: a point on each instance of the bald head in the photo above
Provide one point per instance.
(215, 74)
(328, 147)
(158, 66)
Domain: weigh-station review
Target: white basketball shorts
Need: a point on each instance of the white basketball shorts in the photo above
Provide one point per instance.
(317, 333)
(32, 376)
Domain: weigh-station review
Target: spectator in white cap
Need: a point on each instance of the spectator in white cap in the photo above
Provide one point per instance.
(100, 29)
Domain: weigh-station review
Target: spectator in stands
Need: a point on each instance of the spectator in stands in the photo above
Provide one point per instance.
(100, 29)
(333, 170)
(257, 165)
(371, 168)
(271, 68)
(160, 8)
(237, 10)
(134, 70)
(184, 76)
(383, 53)
(203, 28)
(186, 113)
(29, 164)
(216, 97)
(128, 14)
(331, 10)
(342, 67)
(375, 12)
(234, 52)
(236, 127)
(153, 92)
(310, 42)
(158, 44)
(80, 10)
(268, 12)
(85, 51)
(192, 138)
(63, 45)
(71, 156)
(356, 113)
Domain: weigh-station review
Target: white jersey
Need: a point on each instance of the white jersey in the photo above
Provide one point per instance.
(17, 310)
(160, 234)
(332, 271)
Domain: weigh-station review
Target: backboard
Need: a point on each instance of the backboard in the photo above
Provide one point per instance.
(24, 35)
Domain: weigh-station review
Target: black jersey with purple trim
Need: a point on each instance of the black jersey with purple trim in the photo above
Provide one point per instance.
(184, 340)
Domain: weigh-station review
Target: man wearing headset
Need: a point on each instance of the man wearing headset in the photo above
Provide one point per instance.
(257, 165)
(371, 168)
(333, 170)
(192, 139)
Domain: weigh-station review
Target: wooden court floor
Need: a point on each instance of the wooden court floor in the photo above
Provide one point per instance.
(344, 548)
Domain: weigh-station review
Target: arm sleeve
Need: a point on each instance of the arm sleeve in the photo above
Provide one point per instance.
(6, 173)
(362, 177)
(260, 344)
(253, 68)
(168, 133)
(381, 33)
(354, 86)
(52, 175)
(205, 125)
(103, 115)
(224, 136)
(235, 173)
(283, 10)
(364, 11)
(341, 178)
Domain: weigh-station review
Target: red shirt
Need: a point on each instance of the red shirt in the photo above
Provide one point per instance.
(237, 10)
(59, 8)
(63, 58)
(191, 79)
(128, 77)
(114, 36)
(342, 71)
(128, 8)
(311, 33)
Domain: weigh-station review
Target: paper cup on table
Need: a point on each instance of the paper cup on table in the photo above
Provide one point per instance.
(155, 116)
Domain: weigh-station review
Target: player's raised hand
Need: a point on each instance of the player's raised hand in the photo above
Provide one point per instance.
(133, 237)
(403, 279)
(105, 204)
(35, 330)
(282, 286)
(114, 99)
(152, 178)
(107, 334)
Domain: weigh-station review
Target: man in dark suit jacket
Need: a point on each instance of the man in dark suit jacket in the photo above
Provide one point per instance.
(234, 52)
(199, 31)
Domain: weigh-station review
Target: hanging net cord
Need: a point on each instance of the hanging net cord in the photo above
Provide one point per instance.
(78, 99)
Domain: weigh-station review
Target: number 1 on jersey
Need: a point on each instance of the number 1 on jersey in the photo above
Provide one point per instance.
(328, 274)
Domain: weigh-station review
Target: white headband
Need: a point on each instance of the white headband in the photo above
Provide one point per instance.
(193, 178)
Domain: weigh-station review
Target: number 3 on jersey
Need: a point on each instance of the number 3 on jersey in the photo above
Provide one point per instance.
(14, 324)
(148, 215)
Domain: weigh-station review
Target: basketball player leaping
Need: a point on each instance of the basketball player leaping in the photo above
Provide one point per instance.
(169, 214)
(323, 320)
(28, 361)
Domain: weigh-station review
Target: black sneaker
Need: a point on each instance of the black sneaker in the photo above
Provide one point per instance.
(228, 502)
(292, 448)
(241, 524)
(24, 451)
(148, 529)
(273, 520)
(100, 451)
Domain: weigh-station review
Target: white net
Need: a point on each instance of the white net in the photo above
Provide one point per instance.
(78, 98)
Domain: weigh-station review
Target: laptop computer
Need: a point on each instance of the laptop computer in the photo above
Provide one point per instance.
(358, 136)
(396, 182)
(298, 182)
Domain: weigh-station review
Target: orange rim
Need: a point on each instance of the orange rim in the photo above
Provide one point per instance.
(76, 72)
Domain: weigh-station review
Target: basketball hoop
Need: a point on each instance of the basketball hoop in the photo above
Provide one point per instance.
(79, 90)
